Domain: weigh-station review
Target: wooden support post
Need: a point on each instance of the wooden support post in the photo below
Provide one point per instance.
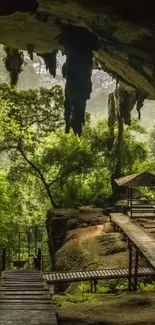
(91, 286)
(131, 201)
(42, 263)
(130, 267)
(128, 242)
(36, 235)
(19, 249)
(4, 259)
(39, 259)
(128, 197)
(9, 253)
(136, 268)
(29, 249)
(95, 285)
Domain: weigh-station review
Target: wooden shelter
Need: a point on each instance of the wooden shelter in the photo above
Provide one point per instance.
(134, 180)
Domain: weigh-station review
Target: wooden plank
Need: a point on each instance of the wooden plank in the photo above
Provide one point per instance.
(118, 272)
(105, 272)
(24, 297)
(35, 306)
(149, 225)
(150, 229)
(25, 300)
(142, 214)
(22, 283)
(138, 235)
(21, 280)
(90, 275)
(25, 292)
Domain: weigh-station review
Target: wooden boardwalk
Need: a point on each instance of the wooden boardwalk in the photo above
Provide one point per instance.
(25, 299)
(138, 236)
(74, 276)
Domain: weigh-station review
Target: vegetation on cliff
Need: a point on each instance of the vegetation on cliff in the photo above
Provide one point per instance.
(42, 166)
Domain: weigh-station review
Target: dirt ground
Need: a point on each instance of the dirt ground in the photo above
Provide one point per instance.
(84, 234)
(122, 309)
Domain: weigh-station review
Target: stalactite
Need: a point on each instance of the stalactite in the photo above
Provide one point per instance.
(30, 50)
(120, 105)
(112, 118)
(13, 61)
(140, 102)
(79, 44)
(50, 60)
(125, 102)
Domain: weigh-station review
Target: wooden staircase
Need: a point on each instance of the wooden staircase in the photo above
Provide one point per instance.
(25, 299)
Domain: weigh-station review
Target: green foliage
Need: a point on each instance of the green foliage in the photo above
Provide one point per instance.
(103, 286)
(152, 142)
(147, 287)
(68, 170)
(43, 166)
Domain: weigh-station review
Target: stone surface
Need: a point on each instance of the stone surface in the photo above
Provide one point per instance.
(60, 221)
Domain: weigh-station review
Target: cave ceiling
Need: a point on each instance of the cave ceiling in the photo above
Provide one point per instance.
(125, 29)
(122, 34)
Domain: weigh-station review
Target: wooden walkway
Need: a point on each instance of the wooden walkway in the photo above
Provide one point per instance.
(138, 236)
(74, 276)
(25, 299)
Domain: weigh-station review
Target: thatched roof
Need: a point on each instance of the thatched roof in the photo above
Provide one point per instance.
(142, 179)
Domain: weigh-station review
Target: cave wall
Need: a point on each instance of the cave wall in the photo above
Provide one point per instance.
(117, 37)
(125, 31)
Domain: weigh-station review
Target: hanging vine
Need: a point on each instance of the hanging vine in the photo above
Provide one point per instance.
(13, 61)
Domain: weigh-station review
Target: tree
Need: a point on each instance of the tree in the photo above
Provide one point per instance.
(29, 128)
(47, 167)
(133, 152)
(27, 117)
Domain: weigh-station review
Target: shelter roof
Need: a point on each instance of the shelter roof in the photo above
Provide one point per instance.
(142, 179)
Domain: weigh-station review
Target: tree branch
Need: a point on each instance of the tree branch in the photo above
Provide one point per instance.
(37, 170)
(65, 174)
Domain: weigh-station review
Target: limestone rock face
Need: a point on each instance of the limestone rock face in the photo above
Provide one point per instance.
(83, 238)
(60, 221)
(124, 29)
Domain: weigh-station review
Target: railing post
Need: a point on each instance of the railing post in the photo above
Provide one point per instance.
(130, 267)
(91, 285)
(3, 258)
(95, 285)
(39, 259)
(136, 269)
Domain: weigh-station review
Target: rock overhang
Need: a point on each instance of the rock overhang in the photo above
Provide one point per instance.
(125, 32)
